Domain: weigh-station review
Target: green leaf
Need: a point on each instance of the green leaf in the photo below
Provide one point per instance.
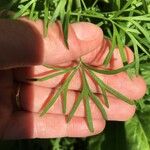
(66, 22)
(128, 3)
(134, 40)
(121, 48)
(75, 106)
(51, 101)
(59, 68)
(58, 9)
(78, 4)
(109, 55)
(66, 90)
(57, 94)
(147, 52)
(96, 100)
(62, 14)
(143, 31)
(137, 60)
(19, 13)
(32, 10)
(132, 30)
(138, 133)
(136, 54)
(118, 2)
(143, 41)
(46, 17)
(51, 76)
(88, 113)
(105, 96)
(118, 95)
(145, 6)
(86, 88)
(135, 18)
(111, 90)
(110, 72)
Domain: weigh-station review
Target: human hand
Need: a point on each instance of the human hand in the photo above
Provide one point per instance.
(23, 47)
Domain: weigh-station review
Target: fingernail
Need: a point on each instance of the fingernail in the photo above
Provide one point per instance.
(86, 31)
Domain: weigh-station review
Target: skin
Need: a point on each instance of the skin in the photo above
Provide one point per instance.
(24, 50)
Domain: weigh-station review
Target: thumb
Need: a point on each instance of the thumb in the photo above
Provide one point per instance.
(22, 43)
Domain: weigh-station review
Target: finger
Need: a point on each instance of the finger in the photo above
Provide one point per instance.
(90, 58)
(34, 98)
(97, 57)
(30, 125)
(23, 43)
(116, 60)
(134, 88)
(78, 41)
(7, 92)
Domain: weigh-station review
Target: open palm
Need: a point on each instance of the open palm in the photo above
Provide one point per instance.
(24, 50)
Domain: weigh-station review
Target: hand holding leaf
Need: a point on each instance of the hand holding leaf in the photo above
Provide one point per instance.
(84, 97)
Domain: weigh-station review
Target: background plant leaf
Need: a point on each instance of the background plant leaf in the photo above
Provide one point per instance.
(138, 131)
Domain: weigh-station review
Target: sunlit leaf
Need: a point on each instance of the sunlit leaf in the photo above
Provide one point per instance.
(105, 96)
(46, 17)
(96, 100)
(19, 13)
(66, 22)
(65, 90)
(111, 90)
(75, 106)
(57, 12)
(88, 113)
(51, 76)
(121, 48)
(57, 94)
(110, 72)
